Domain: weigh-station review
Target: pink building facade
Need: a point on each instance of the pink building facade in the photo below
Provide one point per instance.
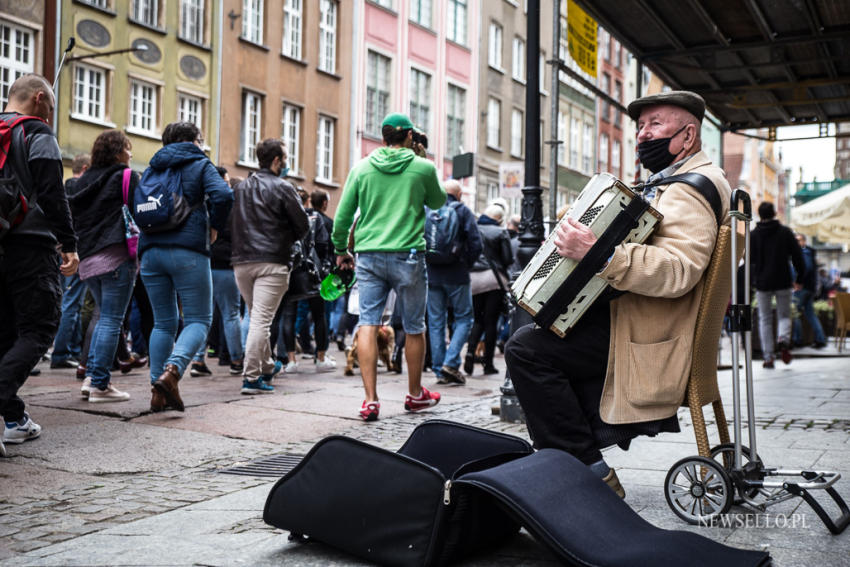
(419, 57)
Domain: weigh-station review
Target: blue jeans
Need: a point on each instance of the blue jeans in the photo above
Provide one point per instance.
(69, 337)
(378, 272)
(226, 298)
(804, 300)
(440, 297)
(111, 292)
(168, 272)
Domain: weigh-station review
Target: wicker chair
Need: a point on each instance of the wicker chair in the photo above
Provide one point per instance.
(842, 318)
(702, 384)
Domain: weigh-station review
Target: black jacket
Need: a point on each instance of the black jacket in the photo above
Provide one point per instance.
(267, 219)
(772, 245)
(35, 158)
(496, 247)
(96, 207)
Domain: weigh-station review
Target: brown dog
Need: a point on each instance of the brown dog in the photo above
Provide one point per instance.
(386, 338)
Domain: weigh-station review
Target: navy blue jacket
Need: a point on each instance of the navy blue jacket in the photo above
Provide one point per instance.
(458, 273)
(200, 181)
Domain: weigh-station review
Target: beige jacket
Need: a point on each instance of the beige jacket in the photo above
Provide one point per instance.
(652, 327)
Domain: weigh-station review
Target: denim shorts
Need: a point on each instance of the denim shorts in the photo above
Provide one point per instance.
(378, 272)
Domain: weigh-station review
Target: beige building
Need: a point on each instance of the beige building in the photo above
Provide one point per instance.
(287, 72)
(138, 65)
(27, 40)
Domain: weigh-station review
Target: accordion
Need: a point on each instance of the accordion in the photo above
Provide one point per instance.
(557, 291)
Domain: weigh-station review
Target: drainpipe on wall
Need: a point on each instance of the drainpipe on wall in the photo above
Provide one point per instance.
(56, 52)
(218, 86)
(353, 123)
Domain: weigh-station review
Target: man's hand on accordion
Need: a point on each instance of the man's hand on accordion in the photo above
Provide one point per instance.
(573, 239)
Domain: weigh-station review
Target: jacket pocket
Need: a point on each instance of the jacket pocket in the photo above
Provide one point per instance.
(657, 373)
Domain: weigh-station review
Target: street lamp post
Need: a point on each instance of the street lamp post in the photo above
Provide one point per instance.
(531, 223)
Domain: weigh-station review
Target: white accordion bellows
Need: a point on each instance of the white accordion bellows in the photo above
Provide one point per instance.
(600, 202)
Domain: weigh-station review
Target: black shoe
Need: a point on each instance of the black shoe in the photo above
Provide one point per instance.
(469, 364)
(452, 375)
(35, 372)
(67, 363)
(200, 369)
(395, 359)
(819, 345)
(490, 369)
(501, 346)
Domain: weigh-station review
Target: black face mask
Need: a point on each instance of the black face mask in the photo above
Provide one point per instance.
(654, 155)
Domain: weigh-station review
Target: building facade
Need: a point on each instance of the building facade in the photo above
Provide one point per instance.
(419, 57)
(287, 73)
(27, 41)
(612, 62)
(165, 70)
(501, 101)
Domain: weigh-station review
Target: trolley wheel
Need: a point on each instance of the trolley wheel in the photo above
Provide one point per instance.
(698, 489)
(726, 452)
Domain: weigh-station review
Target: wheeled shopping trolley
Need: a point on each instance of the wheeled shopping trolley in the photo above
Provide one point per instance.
(701, 489)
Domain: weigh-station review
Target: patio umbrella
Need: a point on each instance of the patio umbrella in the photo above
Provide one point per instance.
(826, 217)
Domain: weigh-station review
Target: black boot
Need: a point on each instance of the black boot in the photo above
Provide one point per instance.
(469, 364)
(395, 361)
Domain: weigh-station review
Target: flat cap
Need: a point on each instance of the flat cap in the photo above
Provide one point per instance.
(688, 100)
(398, 121)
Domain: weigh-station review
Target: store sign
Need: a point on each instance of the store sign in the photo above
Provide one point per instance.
(581, 38)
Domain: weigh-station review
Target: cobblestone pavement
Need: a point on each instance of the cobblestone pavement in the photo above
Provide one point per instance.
(50, 506)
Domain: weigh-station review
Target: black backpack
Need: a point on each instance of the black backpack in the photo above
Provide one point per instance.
(14, 201)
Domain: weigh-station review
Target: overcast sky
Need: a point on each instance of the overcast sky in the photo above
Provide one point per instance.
(816, 157)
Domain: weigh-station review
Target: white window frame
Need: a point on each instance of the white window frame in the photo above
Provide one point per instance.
(518, 62)
(455, 119)
(494, 121)
(143, 110)
(562, 137)
(378, 82)
(293, 21)
(603, 153)
(192, 14)
(587, 148)
(328, 11)
(388, 4)
(146, 12)
(494, 46)
(252, 125)
(325, 149)
(190, 108)
(516, 132)
(616, 159)
(420, 99)
(89, 98)
(252, 20)
(542, 73)
(575, 132)
(456, 21)
(421, 12)
(290, 126)
(17, 56)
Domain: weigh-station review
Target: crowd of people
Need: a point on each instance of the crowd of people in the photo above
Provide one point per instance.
(231, 268)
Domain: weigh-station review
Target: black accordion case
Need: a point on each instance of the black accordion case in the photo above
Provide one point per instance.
(454, 490)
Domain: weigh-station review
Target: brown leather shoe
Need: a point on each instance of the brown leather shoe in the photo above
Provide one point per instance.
(612, 481)
(157, 401)
(167, 386)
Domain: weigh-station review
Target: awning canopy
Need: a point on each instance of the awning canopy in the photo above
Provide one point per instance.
(757, 63)
(827, 217)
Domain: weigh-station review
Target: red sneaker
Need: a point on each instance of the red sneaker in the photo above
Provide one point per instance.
(425, 400)
(369, 410)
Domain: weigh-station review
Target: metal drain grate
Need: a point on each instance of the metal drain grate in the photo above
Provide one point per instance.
(275, 466)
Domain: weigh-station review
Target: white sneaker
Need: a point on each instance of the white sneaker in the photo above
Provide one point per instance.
(85, 390)
(326, 365)
(2, 447)
(20, 431)
(291, 367)
(110, 394)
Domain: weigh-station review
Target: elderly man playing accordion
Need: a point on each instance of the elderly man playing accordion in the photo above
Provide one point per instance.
(623, 369)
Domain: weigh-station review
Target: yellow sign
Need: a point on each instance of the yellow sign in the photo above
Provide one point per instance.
(581, 38)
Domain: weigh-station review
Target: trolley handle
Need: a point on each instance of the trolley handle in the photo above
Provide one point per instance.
(741, 195)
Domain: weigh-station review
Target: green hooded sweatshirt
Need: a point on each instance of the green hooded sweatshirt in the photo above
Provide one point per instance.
(391, 188)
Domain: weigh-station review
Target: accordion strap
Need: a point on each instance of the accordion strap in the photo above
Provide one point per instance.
(625, 221)
(699, 182)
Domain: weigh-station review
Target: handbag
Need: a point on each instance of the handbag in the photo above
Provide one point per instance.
(131, 231)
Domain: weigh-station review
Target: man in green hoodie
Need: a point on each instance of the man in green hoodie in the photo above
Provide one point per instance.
(390, 188)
